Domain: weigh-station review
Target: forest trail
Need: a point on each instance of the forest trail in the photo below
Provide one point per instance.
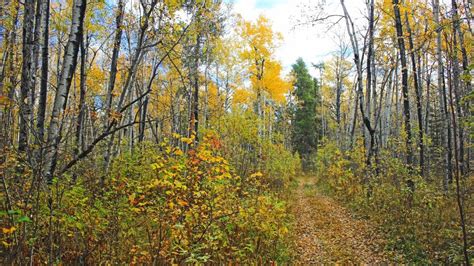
(326, 232)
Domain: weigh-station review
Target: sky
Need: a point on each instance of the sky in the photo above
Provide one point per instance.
(313, 43)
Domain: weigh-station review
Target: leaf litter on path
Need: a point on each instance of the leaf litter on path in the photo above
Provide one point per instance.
(326, 232)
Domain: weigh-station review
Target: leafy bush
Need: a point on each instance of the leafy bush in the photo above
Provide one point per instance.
(248, 152)
(422, 225)
(162, 205)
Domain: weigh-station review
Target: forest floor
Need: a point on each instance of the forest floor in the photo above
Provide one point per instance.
(326, 232)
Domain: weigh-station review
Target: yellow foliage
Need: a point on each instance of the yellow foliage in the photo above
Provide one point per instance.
(242, 96)
(7, 230)
(258, 46)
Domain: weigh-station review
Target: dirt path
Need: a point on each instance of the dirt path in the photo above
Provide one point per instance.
(327, 233)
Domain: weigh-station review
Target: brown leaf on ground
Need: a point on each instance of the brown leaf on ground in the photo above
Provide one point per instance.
(326, 232)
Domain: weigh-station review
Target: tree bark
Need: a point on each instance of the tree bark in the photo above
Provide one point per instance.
(443, 100)
(82, 97)
(195, 114)
(35, 62)
(44, 70)
(466, 80)
(457, 162)
(360, 89)
(26, 74)
(369, 68)
(143, 115)
(144, 106)
(136, 59)
(416, 84)
(112, 78)
(406, 102)
(114, 61)
(62, 92)
(403, 64)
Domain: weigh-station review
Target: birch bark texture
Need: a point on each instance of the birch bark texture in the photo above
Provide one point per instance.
(62, 92)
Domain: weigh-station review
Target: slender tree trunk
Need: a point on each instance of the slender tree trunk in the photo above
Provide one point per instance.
(416, 84)
(457, 162)
(467, 82)
(396, 130)
(443, 101)
(62, 92)
(459, 110)
(35, 62)
(144, 106)
(354, 119)
(206, 93)
(131, 119)
(143, 115)
(368, 82)
(406, 102)
(388, 106)
(114, 61)
(138, 54)
(44, 70)
(427, 123)
(7, 86)
(82, 97)
(372, 147)
(112, 78)
(360, 89)
(339, 79)
(428, 74)
(26, 74)
(195, 112)
(136, 59)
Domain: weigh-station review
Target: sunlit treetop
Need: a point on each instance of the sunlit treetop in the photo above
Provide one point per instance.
(258, 43)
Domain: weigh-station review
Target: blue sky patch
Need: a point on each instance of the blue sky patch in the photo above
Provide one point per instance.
(264, 4)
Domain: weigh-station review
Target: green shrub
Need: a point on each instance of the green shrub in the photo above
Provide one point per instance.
(422, 226)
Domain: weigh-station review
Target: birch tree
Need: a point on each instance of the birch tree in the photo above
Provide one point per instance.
(62, 92)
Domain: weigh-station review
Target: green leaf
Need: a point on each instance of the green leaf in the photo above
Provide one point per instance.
(24, 219)
(13, 212)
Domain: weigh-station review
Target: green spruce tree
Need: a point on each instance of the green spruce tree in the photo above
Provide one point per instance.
(306, 123)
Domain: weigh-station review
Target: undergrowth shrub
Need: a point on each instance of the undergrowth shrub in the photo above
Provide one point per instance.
(421, 226)
(250, 153)
(160, 205)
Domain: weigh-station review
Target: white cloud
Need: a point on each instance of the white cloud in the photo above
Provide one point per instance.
(312, 43)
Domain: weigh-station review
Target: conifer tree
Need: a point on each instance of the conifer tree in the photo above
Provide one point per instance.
(306, 122)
